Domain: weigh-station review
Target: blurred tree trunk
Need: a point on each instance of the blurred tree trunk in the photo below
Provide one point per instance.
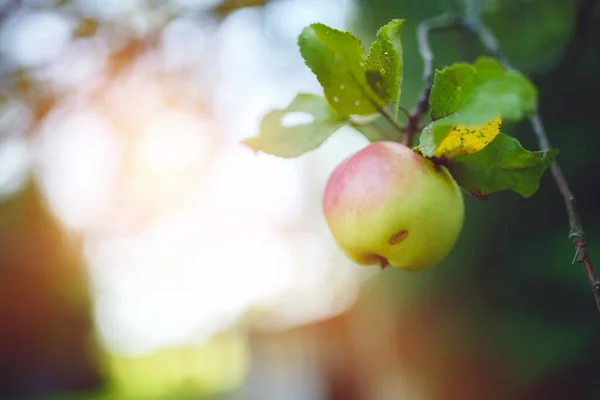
(46, 342)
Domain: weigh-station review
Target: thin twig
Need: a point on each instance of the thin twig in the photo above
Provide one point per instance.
(439, 23)
(389, 118)
(577, 236)
(489, 41)
(404, 110)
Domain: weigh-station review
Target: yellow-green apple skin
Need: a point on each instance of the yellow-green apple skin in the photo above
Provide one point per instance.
(388, 205)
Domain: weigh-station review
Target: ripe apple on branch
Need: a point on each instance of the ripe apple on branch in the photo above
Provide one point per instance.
(390, 204)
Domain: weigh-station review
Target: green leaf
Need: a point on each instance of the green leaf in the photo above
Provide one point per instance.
(337, 58)
(383, 65)
(502, 165)
(471, 96)
(451, 89)
(279, 139)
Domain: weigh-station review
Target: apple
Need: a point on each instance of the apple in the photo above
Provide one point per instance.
(389, 205)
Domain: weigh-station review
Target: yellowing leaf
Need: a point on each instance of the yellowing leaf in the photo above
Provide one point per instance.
(463, 140)
(472, 95)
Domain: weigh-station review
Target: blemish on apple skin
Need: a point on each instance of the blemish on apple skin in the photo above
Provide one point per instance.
(377, 259)
(398, 237)
(383, 263)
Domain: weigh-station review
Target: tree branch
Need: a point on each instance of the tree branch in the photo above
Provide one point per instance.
(439, 23)
(489, 41)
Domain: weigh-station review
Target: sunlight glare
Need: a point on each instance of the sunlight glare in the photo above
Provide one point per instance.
(77, 159)
(186, 230)
(169, 158)
(14, 165)
(35, 38)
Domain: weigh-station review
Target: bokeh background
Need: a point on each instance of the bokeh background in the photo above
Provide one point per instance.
(146, 254)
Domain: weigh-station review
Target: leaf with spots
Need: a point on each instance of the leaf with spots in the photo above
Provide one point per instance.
(472, 96)
(462, 140)
(502, 165)
(288, 139)
(337, 59)
(383, 65)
